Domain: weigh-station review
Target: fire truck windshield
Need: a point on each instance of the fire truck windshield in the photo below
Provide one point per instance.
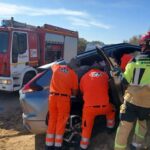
(3, 41)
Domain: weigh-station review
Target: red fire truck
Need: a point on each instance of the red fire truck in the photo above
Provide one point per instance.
(24, 47)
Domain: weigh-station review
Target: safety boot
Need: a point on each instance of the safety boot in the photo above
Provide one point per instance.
(110, 130)
(82, 148)
(49, 147)
(58, 148)
(132, 147)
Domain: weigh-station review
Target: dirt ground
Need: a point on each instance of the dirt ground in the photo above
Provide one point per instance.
(13, 136)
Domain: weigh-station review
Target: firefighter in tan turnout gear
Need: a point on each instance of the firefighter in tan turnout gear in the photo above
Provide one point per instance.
(136, 106)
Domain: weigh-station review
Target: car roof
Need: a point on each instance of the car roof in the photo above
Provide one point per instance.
(120, 45)
(109, 49)
(106, 48)
(47, 66)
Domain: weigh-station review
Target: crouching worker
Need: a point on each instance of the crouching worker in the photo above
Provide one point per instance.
(94, 86)
(64, 83)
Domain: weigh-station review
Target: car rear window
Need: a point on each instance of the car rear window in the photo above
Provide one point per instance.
(89, 60)
(44, 79)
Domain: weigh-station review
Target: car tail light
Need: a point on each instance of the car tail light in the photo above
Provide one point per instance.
(31, 86)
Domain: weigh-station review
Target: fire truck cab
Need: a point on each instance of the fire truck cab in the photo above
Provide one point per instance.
(24, 47)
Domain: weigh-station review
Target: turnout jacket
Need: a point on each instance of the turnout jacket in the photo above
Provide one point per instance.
(137, 74)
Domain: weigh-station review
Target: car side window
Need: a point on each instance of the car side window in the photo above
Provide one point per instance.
(19, 45)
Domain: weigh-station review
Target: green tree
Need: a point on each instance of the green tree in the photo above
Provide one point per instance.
(97, 43)
(82, 44)
(125, 41)
(135, 40)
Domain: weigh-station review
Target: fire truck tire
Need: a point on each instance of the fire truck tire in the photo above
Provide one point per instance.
(28, 76)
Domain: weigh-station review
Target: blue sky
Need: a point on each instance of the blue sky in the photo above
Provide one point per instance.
(109, 21)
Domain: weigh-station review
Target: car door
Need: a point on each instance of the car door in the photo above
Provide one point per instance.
(114, 81)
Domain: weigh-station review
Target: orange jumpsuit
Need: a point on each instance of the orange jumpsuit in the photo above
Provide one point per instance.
(124, 61)
(94, 86)
(63, 81)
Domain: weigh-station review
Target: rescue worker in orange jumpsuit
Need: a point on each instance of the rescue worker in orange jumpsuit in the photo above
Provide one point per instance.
(136, 106)
(124, 61)
(94, 86)
(64, 83)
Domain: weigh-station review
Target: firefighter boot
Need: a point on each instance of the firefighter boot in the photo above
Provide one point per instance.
(132, 147)
(49, 147)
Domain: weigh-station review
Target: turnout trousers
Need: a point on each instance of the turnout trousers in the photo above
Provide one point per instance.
(129, 115)
(59, 111)
(88, 117)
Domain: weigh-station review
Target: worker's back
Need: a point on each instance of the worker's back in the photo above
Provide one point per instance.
(137, 75)
(63, 80)
(94, 86)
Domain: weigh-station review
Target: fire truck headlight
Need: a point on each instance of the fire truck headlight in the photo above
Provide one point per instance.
(5, 81)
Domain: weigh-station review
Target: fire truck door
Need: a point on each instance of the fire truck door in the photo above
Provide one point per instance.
(20, 51)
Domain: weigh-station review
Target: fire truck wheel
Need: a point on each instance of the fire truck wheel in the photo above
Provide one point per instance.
(28, 76)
